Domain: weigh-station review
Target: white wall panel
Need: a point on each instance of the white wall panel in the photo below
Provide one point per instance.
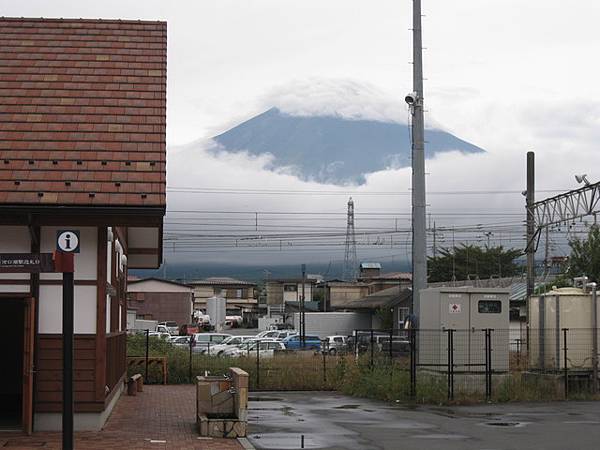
(51, 309)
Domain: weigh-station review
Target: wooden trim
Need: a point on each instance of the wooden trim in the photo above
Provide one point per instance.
(101, 314)
(38, 282)
(121, 234)
(20, 282)
(15, 295)
(36, 237)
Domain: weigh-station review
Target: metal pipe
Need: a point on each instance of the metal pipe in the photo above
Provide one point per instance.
(594, 337)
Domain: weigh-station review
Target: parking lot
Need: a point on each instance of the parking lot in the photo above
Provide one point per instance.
(333, 421)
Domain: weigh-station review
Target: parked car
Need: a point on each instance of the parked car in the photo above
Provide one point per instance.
(162, 329)
(189, 329)
(363, 341)
(233, 321)
(268, 334)
(294, 343)
(400, 346)
(160, 335)
(231, 341)
(170, 326)
(335, 344)
(265, 348)
(205, 340)
(245, 345)
(283, 334)
(180, 341)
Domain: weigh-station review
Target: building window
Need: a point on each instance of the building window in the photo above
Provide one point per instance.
(290, 288)
(489, 306)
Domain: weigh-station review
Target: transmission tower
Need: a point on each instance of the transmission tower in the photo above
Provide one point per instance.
(350, 259)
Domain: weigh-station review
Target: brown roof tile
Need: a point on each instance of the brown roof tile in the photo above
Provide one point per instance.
(82, 111)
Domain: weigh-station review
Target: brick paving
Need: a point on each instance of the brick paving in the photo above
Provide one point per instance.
(161, 417)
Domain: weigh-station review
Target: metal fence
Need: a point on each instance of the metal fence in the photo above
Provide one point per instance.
(488, 363)
(424, 365)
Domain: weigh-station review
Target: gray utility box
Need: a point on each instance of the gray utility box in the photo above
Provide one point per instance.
(469, 311)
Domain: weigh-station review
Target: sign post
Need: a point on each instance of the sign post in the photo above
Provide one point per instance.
(67, 243)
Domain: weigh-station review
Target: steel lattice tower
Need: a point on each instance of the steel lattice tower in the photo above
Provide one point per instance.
(350, 258)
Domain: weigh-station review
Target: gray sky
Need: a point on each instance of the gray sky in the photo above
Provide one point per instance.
(507, 75)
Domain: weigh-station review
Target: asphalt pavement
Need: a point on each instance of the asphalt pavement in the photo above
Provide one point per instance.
(285, 420)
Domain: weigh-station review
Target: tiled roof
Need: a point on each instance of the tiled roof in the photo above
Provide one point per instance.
(220, 281)
(82, 112)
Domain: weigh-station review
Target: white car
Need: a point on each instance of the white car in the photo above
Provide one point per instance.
(160, 335)
(268, 334)
(170, 327)
(180, 341)
(228, 343)
(208, 340)
(265, 347)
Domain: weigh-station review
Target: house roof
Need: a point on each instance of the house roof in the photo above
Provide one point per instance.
(386, 298)
(82, 112)
(160, 280)
(221, 281)
(389, 276)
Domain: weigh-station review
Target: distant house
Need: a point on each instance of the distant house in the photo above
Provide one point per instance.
(386, 280)
(395, 300)
(285, 290)
(162, 300)
(338, 293)
(82, 147)
(240, 295)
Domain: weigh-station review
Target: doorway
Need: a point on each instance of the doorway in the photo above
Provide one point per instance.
(12, 336)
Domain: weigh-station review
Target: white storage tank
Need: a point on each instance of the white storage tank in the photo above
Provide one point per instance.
(571, 308)
(468, 310)
(216, 308)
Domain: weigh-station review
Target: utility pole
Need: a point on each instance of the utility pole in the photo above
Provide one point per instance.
(434, 240)
(547, 252)
(530, 200)
(302, 316)
(415, 100)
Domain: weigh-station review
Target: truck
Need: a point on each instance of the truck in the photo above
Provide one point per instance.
(325, 324)
(142, 325)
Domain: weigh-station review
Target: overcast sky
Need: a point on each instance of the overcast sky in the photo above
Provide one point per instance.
(506, 75)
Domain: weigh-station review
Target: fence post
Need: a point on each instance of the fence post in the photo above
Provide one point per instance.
(565, 360)
(191, 346)
(450, 364)
(324, 367)
(391, 353)
(488, 363)
(147, 347)
(413, 363)
(257, 365)
(371, 364)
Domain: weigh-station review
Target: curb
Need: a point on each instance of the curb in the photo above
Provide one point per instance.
(245, 443)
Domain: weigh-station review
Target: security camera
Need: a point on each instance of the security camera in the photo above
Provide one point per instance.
(411, 98)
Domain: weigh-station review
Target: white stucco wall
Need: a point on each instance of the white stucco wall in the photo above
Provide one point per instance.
(51, 309)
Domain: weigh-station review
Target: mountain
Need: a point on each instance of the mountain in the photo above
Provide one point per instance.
(333, 149)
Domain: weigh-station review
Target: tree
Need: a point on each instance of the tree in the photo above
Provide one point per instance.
(585, 255)
(470, 261)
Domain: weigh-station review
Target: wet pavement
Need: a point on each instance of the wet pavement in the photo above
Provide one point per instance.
(281, 420)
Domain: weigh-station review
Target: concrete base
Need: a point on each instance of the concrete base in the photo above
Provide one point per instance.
(221, 427)
(81, 421)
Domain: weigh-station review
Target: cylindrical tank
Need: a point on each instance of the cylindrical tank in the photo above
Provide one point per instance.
(549, 315)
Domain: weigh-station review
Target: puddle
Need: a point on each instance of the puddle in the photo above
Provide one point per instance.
(347, 407)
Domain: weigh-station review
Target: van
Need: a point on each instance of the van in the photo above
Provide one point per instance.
(294, 343)
(207, 340)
